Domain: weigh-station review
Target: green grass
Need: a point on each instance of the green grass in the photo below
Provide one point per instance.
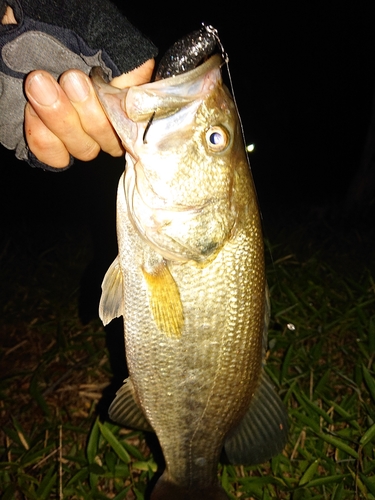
(55, 370)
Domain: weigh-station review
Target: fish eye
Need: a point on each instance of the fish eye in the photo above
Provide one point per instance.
(217, 139)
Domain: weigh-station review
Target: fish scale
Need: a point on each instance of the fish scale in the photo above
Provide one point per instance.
(199, 355)
(189, 281)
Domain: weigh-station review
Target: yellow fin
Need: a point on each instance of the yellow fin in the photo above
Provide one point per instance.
(165, 300)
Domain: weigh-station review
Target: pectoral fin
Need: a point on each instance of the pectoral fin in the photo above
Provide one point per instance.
(111, 301)
(125, 410)
(165, 300)
(263, 431)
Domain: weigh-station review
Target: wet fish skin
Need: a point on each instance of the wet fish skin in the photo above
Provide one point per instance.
(189, 281)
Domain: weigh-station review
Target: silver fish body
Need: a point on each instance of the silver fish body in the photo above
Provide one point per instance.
(189, 281)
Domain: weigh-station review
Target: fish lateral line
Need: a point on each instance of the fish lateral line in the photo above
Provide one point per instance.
(158, 282)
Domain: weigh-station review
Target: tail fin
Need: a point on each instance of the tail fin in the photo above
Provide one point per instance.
(165, 490)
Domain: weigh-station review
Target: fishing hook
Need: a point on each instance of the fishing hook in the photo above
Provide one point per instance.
(147, 127)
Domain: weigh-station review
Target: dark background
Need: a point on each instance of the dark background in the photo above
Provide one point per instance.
(303, 76)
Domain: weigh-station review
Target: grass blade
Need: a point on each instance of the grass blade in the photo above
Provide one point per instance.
(113, 441)
(370, 382)
(368, 436)
(309, 473)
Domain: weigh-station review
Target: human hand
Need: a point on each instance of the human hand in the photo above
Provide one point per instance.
(66, 117)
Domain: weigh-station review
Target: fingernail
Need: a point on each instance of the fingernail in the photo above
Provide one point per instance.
(43, 90)
(75, 87)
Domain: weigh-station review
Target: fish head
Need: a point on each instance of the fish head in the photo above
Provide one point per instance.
(182, 163)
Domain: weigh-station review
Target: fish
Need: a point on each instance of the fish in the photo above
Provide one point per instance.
(189, 281)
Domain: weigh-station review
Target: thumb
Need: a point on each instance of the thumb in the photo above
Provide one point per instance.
(137, 76)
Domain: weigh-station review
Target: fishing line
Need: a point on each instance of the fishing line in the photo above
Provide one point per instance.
(214, 32)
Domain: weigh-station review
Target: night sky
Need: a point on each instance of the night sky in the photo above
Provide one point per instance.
(303, 77)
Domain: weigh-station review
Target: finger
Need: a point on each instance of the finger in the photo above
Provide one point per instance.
(137, 76)
(9, 16)
(58, 114)
(78, 88)
(42, 142)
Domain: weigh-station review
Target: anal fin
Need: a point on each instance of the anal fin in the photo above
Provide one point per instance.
(263, 431)
(125, 410)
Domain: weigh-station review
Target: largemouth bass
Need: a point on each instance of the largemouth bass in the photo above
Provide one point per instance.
(189, 281)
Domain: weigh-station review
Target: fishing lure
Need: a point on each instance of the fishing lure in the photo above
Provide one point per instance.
(188, 52)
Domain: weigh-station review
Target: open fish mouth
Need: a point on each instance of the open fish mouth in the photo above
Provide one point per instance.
(189, 279)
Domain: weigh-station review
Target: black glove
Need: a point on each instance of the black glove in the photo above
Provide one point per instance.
(68, 34)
